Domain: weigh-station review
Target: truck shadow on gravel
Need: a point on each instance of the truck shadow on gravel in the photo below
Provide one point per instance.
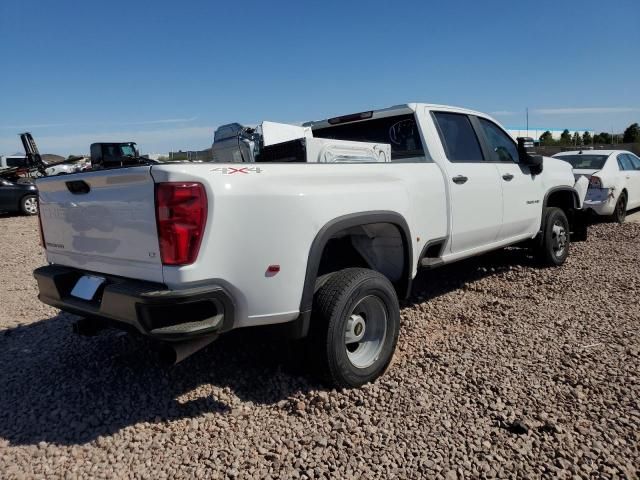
(60, 388)
(63, 389)
(430, 284)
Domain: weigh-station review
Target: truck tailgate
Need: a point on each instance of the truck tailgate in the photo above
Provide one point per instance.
(103, 222)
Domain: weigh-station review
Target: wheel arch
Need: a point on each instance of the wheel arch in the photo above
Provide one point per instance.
(343, 222)
(557, 196)
(625, 192)
(568, 200)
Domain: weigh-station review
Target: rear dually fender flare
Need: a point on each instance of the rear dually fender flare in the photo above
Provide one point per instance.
(348, 221)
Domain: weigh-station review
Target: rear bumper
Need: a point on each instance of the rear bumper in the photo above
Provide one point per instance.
(604, 209)
(600, 201)
(151, 308)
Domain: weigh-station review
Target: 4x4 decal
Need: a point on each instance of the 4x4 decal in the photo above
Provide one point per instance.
(233, 170)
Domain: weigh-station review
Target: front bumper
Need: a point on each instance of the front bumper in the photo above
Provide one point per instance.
(151, 308)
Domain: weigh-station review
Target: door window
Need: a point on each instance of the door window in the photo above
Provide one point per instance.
(501, 144)
(624, 163)
(635, 161)
(458, 137)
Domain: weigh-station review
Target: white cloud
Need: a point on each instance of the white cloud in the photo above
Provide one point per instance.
(584, 110)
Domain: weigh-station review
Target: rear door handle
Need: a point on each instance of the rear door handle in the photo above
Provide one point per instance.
(508, 177)
(460, 179)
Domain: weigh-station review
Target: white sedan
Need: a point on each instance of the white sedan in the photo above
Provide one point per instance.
(614, 180)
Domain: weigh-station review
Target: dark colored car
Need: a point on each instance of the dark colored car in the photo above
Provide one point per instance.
(18, 197)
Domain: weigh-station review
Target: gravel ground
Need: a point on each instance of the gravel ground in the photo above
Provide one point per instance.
(502, 369)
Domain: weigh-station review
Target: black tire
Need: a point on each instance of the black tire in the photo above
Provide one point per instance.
(29, 205)
(553, 247)
(370, 298)
(620, 212)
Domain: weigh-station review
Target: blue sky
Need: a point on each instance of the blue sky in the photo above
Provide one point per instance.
(166, 73)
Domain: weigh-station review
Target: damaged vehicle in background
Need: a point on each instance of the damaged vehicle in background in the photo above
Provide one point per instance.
(321, 229)
(614, 180)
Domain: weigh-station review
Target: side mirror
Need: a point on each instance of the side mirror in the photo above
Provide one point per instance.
(534, 162)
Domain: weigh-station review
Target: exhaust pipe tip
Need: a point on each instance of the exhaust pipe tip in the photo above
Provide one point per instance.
(167, 355)
(171, 353)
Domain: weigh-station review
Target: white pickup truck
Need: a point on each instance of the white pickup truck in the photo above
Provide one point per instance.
(326, 243)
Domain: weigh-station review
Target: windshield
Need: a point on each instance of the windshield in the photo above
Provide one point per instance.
(128, 150)
(401, 131)
(585, 162)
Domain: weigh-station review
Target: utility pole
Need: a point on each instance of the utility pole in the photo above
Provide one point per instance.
(527, 121)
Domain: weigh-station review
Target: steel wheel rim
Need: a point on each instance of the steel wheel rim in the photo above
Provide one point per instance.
(31, 205)
(366, 331)
(558, 238)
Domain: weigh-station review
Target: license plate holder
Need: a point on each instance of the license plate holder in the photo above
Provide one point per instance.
(87, 286)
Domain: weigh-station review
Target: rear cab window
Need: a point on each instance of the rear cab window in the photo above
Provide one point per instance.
(584, 161)
(402, 132)
(458, 137)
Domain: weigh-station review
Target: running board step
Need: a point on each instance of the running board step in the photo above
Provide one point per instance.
(431, 262)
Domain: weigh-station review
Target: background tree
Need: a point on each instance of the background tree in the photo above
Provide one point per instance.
(602, 138)
(577, 140)
(587, 139)
(632, 134)
(546, 138)
(565, 137)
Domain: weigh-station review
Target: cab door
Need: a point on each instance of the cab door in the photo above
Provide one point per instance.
(473, 183)
(521, 191)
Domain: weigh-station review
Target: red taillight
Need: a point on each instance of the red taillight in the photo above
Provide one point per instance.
(181, 214)
(595, 182)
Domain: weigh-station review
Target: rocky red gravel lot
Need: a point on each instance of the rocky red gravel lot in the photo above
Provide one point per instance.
(503, 370)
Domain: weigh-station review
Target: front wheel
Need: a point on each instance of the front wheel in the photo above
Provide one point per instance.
(355, 326)
(29, 205)
(553, 248)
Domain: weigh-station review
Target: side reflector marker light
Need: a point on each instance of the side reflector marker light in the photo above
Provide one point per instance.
(272, 270)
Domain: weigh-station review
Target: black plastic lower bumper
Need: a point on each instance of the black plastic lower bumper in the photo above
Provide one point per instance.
(151, 308)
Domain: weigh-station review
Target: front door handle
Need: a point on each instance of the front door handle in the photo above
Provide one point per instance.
(508, 177)
(460, 179)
